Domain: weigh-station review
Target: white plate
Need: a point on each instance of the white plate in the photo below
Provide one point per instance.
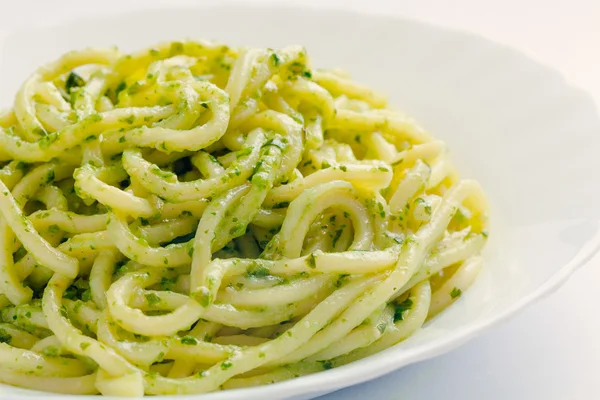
(514, 125)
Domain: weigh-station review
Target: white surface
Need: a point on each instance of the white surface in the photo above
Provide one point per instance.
(551, 351)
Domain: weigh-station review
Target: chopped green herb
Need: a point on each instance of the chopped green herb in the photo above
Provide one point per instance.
(336, 236)
(275, 59)
(47, 140)
(226, 365)
(213, 159)
(257, 271)
(311, 262)
(152, 299)
(129, 119)
(182, 239)
(327, 364)
(50, 176)
(122, 86)
(167, 283)
(70, 293)
(134, 88)
(23, 166)
(86, 295)
(456, 292)
(297, 67)
(282, 204)
(401, 308)
(51, 351)
(189, 340)
(73, 81)
(5, 337)
(426, 205)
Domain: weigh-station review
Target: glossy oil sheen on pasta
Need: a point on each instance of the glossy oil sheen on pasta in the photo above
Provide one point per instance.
(195, 217)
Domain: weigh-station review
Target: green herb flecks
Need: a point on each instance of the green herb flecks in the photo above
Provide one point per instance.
(400, 308)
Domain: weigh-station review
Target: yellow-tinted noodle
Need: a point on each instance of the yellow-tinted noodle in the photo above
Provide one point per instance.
(195, 217)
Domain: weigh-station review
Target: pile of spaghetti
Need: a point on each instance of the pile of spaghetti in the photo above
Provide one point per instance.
(196, 217)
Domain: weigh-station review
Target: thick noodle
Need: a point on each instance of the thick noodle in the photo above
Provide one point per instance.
(195, 217)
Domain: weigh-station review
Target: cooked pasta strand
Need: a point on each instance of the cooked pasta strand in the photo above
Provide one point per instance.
(197, 217)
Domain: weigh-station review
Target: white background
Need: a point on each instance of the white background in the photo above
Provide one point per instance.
(551, 351)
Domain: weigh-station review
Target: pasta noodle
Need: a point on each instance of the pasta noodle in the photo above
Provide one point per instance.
(195, 217)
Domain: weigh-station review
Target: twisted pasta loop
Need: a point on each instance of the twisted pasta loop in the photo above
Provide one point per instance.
(195, 217)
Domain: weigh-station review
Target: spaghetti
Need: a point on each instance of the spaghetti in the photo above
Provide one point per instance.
(196, 217)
